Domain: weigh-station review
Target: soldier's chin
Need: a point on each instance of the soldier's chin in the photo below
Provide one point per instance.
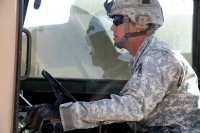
(115, 44)
(118, 45)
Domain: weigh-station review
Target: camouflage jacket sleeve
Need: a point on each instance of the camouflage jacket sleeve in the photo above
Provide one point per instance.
(154, 74)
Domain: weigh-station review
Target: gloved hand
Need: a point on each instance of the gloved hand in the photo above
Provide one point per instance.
(37, 114)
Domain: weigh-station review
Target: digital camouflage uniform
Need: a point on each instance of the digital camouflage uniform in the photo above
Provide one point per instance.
(162, 91)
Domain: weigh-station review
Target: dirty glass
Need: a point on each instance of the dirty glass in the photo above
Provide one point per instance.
(177, 27)
(72, 38)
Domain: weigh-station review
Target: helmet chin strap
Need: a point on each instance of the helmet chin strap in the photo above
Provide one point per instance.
(120, 44)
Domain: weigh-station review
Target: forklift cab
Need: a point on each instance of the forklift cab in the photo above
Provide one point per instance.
(72, 41)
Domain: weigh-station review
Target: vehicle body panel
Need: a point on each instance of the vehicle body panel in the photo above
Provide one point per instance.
(8, 61)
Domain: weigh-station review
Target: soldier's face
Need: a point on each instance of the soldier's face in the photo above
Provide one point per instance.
(118, 30)
(133, 43)
(117, 27)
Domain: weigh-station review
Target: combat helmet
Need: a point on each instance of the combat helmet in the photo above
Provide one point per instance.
(144, 13)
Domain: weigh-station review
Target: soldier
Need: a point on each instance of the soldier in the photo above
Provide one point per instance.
(162, 92)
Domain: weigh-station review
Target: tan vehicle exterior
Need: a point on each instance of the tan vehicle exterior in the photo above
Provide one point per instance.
(8, 61)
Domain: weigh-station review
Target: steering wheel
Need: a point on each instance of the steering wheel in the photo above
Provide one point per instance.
(59, 90)
(60, 93)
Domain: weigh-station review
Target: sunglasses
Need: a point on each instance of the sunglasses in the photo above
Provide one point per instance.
(117, 19)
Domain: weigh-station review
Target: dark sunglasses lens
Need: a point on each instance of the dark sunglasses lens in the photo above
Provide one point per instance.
(117, 20)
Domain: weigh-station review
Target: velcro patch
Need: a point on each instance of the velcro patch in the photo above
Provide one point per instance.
(146, 2)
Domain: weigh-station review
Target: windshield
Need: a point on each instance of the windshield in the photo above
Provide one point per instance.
(72, 39)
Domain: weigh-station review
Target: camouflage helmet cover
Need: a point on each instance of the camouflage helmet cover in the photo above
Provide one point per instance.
(141, 12)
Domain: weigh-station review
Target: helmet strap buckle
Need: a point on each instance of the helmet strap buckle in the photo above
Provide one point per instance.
(126, 24)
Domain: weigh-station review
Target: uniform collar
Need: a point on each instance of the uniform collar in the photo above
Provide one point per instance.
(141, 49)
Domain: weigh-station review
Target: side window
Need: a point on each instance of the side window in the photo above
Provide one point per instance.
(177, 27)
(72, 39)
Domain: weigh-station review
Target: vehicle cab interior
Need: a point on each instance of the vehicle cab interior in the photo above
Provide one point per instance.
(67, 52)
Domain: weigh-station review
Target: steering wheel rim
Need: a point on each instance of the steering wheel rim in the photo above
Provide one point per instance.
(59, 90)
